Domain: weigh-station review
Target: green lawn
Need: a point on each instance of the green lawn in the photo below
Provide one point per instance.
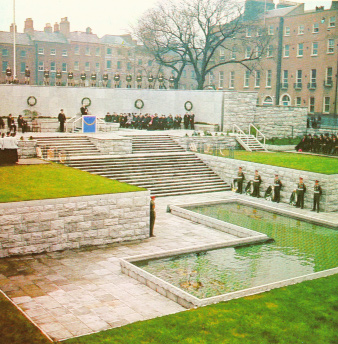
(15, 328)
(303, 162)
(303, 313)
(31, 182)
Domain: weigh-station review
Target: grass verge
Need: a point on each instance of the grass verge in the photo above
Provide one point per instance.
(303, 162)
(303, 313)
(16, 328)
(32, 182)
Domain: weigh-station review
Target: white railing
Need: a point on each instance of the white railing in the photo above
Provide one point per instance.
(242, 135)
(259, 135)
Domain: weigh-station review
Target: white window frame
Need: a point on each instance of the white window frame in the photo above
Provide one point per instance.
(314, 51)
(97, 66)
(313, 76)
(327, 76)
(312, 105)
(41, 51)
(246, 79)
(257, 79)
(271, 30)
(332, 21)
(76, 65)
(51, 67)
(286, 51)
(269, 51)
(98, 51)
(248, 32)
(287, 31)
(267, 103)
(300, 49)
(87, 51)
(87, 66)
(315, 28)
(53, 51)
(107, 61)
(233, 53)
(301, 30)
(289, 101)
(285, 78)
(232, 80)
(330, 47)
(296, 101)
(64, 64)
(76, 50)
(247, 52)
(326, 104)
(299, 76)
(268, 81)
(221, 79)
(64, 52)
(41, 66)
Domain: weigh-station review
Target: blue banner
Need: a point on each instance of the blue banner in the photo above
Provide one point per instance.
(89, 124)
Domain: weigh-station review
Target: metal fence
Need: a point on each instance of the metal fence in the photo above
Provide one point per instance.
(52, 154)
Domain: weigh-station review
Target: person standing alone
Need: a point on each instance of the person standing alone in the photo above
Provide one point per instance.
(62, 120)
(152, 216)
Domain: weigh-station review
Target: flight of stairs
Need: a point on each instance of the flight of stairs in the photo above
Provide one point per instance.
(250, 143)
(164, 174)
(71, 145)
(157, 143)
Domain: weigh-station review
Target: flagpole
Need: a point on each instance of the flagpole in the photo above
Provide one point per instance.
(14, 43)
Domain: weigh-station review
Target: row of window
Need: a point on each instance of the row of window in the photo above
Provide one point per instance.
(268, 79)
(331, 23)
(314, 48)
(23, 53)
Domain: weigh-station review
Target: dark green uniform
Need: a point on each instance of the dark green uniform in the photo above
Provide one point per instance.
(301, 189)
(277, 185)
(317, 191)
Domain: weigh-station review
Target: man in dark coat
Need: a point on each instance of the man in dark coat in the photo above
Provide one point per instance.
(62, 120)
(277, 185)
(317, 192)
(152, 216)
(301, 189)
(256, 184)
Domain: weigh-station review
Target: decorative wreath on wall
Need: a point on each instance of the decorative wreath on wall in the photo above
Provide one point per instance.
(188, 105)
(86, 101)
(139, 104)
(31, 101)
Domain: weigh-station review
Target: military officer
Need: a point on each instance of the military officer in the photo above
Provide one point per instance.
(46, 77)
(83, 77)
(277, 185)
(70, 78)
(93, 79)
(317, 191)
(301, 189)
(27, 75)
(105, 79)
(240, 179)
(58, 77)
(256, 184)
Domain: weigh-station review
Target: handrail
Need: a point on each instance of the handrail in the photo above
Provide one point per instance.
(240, 131)
(257, 132)
(80, 118)
(69, 121)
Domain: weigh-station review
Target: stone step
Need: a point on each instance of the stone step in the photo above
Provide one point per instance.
(187, 192)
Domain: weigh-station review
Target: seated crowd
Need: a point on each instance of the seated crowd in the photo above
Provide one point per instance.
(322, 144)
(150, 122)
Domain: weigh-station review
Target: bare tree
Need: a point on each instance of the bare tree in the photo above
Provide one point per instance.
(191, 32)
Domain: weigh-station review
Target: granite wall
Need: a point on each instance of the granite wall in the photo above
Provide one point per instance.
(68, 223)
(227, 170)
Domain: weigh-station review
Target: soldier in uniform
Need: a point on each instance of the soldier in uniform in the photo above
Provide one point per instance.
(150, 80)
(93, 79)
(83, 79)
(152, 215)
(105, 79)
(139, 80)
(317, 192)
(58, 77)
(277, 185)
(8, 75)
(301, 189)
(256, 184)
(117, 80)
(70, 78)
(27, 75)
(46, 77)
(240, 179)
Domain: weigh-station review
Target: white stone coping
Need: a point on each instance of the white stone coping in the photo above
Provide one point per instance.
(189, 301)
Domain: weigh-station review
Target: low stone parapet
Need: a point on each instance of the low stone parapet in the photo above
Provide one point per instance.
(115, 145)
(27, 149)
(68, 223)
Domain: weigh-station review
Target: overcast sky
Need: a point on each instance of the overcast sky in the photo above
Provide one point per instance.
(103, 16)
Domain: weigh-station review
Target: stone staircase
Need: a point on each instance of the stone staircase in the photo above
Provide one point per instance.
(165, 174)
(72, 145)
(154, 144)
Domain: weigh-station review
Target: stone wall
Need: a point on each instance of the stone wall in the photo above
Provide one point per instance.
(117, 145)
(68, 223)
(227, 170)
(27, 149)
(273, 121)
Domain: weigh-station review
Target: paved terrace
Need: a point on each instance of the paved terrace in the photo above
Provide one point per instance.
(73, 293)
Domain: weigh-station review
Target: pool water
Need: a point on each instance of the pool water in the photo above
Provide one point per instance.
(299, 248)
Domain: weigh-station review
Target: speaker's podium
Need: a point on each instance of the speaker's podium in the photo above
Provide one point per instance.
(89, 124)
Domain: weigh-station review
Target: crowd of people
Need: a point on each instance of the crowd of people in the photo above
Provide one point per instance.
(273, 191)
(12, 126)
(322, 144)
(151, 122)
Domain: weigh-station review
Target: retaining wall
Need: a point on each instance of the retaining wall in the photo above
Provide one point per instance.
(68, 223)
(227, 169)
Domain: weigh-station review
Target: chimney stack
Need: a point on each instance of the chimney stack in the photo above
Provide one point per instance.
(11, 28)
(334, 5)
(48, 28)
(29, 26)
(56, 27)
(89, 30)
(65, 26)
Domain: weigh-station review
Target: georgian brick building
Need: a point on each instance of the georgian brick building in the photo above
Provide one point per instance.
(298, 66)
(58, 48)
